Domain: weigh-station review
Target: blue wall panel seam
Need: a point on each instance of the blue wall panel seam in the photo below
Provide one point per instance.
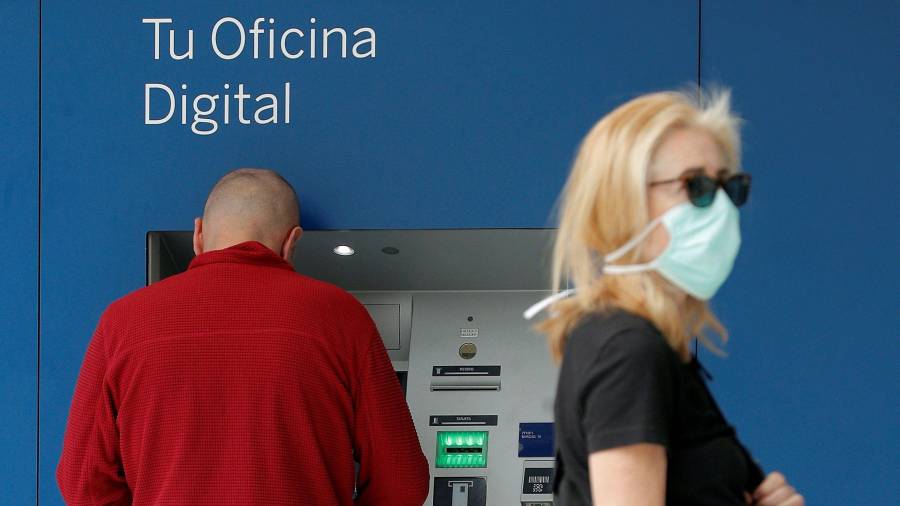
(699, 43)
(37, 446)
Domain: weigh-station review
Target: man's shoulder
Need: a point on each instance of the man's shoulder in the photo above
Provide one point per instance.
(292, 289)
(323, 290)
(130, 300)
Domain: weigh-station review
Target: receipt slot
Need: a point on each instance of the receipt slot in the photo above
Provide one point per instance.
(537, 483)
(460, 491)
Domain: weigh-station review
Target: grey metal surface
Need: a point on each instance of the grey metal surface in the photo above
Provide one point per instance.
(392, 314)
(483, 259)
(472, 259)
(528, 378)
(168, 253)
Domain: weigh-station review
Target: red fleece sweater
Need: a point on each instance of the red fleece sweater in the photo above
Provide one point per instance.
(239, 382)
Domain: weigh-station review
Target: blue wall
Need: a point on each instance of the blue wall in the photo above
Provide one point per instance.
(19, 261)
(811, 381)
(469, 117)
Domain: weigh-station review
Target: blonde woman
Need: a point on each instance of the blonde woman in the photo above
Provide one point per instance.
(648, 232)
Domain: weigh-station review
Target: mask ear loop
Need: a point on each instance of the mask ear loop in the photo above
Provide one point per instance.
(546, 302)
(543, 304)
(628, 246)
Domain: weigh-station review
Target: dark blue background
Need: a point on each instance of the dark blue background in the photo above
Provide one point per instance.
(19, 261)
(813, 305)
(469, 117)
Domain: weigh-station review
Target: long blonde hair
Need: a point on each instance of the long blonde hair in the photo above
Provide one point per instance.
(604, 204)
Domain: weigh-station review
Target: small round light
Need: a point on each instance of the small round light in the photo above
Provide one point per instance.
(343, 250)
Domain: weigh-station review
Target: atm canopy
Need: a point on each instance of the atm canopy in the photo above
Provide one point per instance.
(386, 260)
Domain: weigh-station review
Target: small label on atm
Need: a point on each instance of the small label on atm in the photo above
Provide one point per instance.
(536, 440)
(438, 420)
(537, 481)
(465, 370)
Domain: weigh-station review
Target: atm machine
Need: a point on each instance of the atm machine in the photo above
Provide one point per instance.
(448, 304)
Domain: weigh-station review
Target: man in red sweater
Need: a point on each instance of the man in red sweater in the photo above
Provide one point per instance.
(239, 381)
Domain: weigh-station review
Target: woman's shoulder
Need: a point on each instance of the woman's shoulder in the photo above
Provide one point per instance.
(618, 333)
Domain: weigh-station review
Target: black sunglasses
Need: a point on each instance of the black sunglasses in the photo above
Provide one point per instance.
(701, 189)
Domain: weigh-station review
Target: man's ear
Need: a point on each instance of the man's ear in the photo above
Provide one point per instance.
(287, 249)
(198, 236)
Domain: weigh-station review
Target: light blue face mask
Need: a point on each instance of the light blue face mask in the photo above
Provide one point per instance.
(703, 243)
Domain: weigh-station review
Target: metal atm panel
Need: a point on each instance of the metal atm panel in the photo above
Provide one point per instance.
(525, 383)
(392, 314)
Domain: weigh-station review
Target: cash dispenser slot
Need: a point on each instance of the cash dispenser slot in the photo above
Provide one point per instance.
(462, 449)
(452, 378)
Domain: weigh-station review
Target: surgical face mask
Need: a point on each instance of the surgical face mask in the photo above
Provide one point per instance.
(703, 243)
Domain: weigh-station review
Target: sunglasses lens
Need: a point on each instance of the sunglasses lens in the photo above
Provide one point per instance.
(701, 190)
(738, 188)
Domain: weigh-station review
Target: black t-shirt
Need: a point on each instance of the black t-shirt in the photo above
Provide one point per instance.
(620, 384)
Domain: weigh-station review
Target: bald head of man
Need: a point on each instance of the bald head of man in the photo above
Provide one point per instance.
(250, 205)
